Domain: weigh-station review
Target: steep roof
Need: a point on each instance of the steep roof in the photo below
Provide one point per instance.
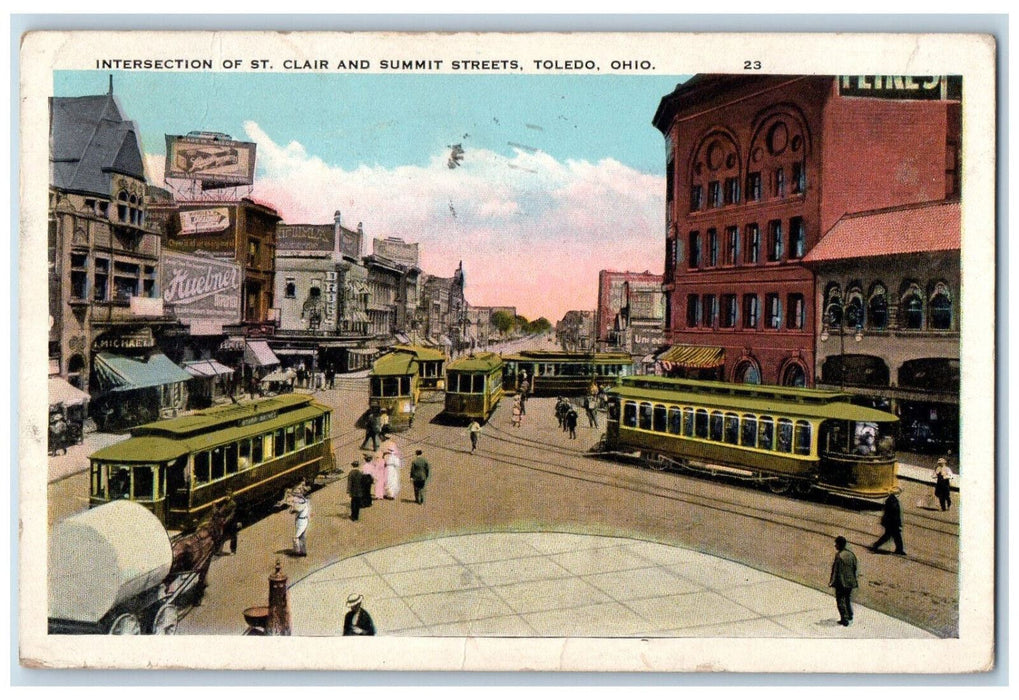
(89, 141)
(919, 228)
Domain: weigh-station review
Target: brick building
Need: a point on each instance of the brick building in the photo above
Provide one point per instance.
(631, 311)
(759, 169)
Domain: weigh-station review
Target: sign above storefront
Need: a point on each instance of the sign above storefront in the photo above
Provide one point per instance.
(136, 339)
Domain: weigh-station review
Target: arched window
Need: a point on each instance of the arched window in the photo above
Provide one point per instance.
(911, 308)
(794, 375)
(877, 307)
(854, 315)
(832, 305)
(747, 372)
(941, 308)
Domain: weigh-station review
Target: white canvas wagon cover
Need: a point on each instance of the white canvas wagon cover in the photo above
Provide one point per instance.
(104, 556)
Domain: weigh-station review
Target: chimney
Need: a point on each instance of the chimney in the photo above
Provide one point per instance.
(337, 236)
(360, 238)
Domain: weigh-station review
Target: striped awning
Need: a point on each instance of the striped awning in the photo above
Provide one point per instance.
(206, 368)
(693, 357)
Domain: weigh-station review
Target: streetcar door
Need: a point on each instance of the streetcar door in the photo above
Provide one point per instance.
(176, 484)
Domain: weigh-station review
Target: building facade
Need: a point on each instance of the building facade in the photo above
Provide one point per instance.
(631, 312)
(759, 169)
(576, 331)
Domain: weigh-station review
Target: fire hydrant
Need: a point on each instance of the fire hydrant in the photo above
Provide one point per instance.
(278, 624)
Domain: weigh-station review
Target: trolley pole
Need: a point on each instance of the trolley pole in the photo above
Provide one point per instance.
(278, 624)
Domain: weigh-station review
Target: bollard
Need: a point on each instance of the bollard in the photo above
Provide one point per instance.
(278, 624)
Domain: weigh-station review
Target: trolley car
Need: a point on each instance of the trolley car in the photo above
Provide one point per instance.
(182, 467)
(431, 366)
(787, 438)
(394, 386)
(473, 386)
(555, 373)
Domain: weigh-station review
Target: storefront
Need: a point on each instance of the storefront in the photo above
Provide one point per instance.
(136, 389)
(693, 362)
(211, 382)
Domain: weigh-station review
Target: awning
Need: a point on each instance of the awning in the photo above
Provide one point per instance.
(403, 338)
(279, 375)
(120, 373)
(66, 394)
(693, 357)
(206, 368)
(258, 354)
(294, 351)
(363, 351)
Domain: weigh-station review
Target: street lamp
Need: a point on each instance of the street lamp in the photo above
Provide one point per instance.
(839, 315)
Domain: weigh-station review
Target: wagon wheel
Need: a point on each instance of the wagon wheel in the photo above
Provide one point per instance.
(126, 623)
(165, 621)
(779, 485)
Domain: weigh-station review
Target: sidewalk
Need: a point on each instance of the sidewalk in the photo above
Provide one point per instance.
(558, 585)
(923, 474)
(76, 459)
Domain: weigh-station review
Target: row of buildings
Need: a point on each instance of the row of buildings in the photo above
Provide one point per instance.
(812, 238)
(160, 300)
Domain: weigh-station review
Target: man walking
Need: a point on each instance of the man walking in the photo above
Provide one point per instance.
(589, 408)
(372, 428)
(891, 520)
(355, 489)
(302, 516)
(419, 472)
(226, 517)
(474, 430)
(843, 580)
(571, 422)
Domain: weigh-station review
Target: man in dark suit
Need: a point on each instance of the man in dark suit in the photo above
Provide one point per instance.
(419, 471)
(891, 521)
(843, 580)
(355, 488)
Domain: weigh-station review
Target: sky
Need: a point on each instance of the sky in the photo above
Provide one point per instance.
(562, 176)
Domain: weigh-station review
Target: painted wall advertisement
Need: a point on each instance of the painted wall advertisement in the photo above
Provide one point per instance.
(202, 289)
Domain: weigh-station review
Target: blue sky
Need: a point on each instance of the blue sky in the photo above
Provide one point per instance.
(564, 174)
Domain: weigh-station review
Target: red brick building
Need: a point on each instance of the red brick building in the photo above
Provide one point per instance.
(759, 168)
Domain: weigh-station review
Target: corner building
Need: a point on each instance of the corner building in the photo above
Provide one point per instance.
(758, 170)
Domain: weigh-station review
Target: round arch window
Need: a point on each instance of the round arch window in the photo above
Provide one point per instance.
(747, 373)
(794, 375)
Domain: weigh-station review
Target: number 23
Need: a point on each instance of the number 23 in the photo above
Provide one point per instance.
(751, 65)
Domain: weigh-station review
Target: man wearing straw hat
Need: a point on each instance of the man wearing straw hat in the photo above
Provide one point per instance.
(357, 621)
(943, 484)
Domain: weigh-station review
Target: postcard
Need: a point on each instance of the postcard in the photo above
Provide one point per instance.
(507, 352)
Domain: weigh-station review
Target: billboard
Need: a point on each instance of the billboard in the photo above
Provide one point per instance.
(306, 237)
(204, 221)
(215, 161)
(202, 289)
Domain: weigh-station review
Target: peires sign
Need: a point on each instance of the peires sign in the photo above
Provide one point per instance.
(200, 288)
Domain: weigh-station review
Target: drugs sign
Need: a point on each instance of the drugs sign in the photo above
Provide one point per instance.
(215, 161)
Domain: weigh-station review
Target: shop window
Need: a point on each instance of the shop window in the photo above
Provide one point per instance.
(754, 187)
(797, 238)
(751, 310)
(753, 243)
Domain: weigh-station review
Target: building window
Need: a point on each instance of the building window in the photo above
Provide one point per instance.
(854, 306)
(833, 305)
(779, 182)
(714, 194)
(753, 238)
(877, 308)
(693, 311)
(79, 276)
(125, 280)
(710, 315)
(751, 311)
(794, 375)
(290, 290)
(797, 311)
(797, 238)
(773, 309)
(732, 245)
(911, 308)
(712, 247)
(149, 282)
(941, 308)
(799, 178)
(732, 190)
(754, 187)
(100, 291)
(951, 169)
(774, 241)
(695, 249)
(254, 246)
(696, 198)
(728, 311)
(670, 182)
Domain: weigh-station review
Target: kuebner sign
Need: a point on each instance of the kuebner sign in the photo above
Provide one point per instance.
(201, 288)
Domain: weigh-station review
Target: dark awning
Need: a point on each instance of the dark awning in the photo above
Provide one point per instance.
(693, 357)
(120, 373)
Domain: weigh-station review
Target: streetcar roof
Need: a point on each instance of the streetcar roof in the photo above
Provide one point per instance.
(208, 419)
(480, 362)
(423, 354)
(156, 448)
(395, 363)
(838, 407)
(560, 356)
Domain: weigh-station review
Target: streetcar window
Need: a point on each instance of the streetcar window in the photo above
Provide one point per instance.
(716, 425)
(326, 426)
(731, 428)
(218, 463)
(613, 409)
(278, 446)
(97, 486)
(478, 384)
(765, 433)
(291, 439)
(244, 454)
(404, 386)
(301, 430)
(659, 419)
(865, 438)
(143, 488)
(201, 467)
(675, 420)
(802, 437)
(263, 448)
(748, 431)
(120, 482)
(701, 423)
(376, 386)
(645, 416)
(688, 421)
(311, 431)
(630, 414)
(231, 458)
(785, 435)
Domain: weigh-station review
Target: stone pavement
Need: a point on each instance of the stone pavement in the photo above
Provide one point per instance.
(557, 584)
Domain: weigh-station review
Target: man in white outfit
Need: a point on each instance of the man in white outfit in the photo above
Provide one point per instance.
(302, 515)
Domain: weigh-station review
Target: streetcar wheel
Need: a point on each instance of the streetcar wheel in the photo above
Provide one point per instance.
(779, 485)
(803, 488)
(653, 461)
(126, 624)
(166, 619)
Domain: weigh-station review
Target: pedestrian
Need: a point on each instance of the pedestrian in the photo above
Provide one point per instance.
(943, 483)
(843, 580)
(227, 523)
(474, 430)
(372, 428)
(384, 422)
(357, 622)
(375, 466)
(301, 509)
(330, 377)
(517, 415)
(393, 464)
(419, 473)
(589, 408)
(368, 479)
(57, 434)
(891, 520)
(523, 403)
(571, 422)
(560, 412)
(354, 489)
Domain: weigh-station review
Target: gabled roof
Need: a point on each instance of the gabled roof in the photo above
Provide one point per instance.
(920, 228)
(89, 140)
